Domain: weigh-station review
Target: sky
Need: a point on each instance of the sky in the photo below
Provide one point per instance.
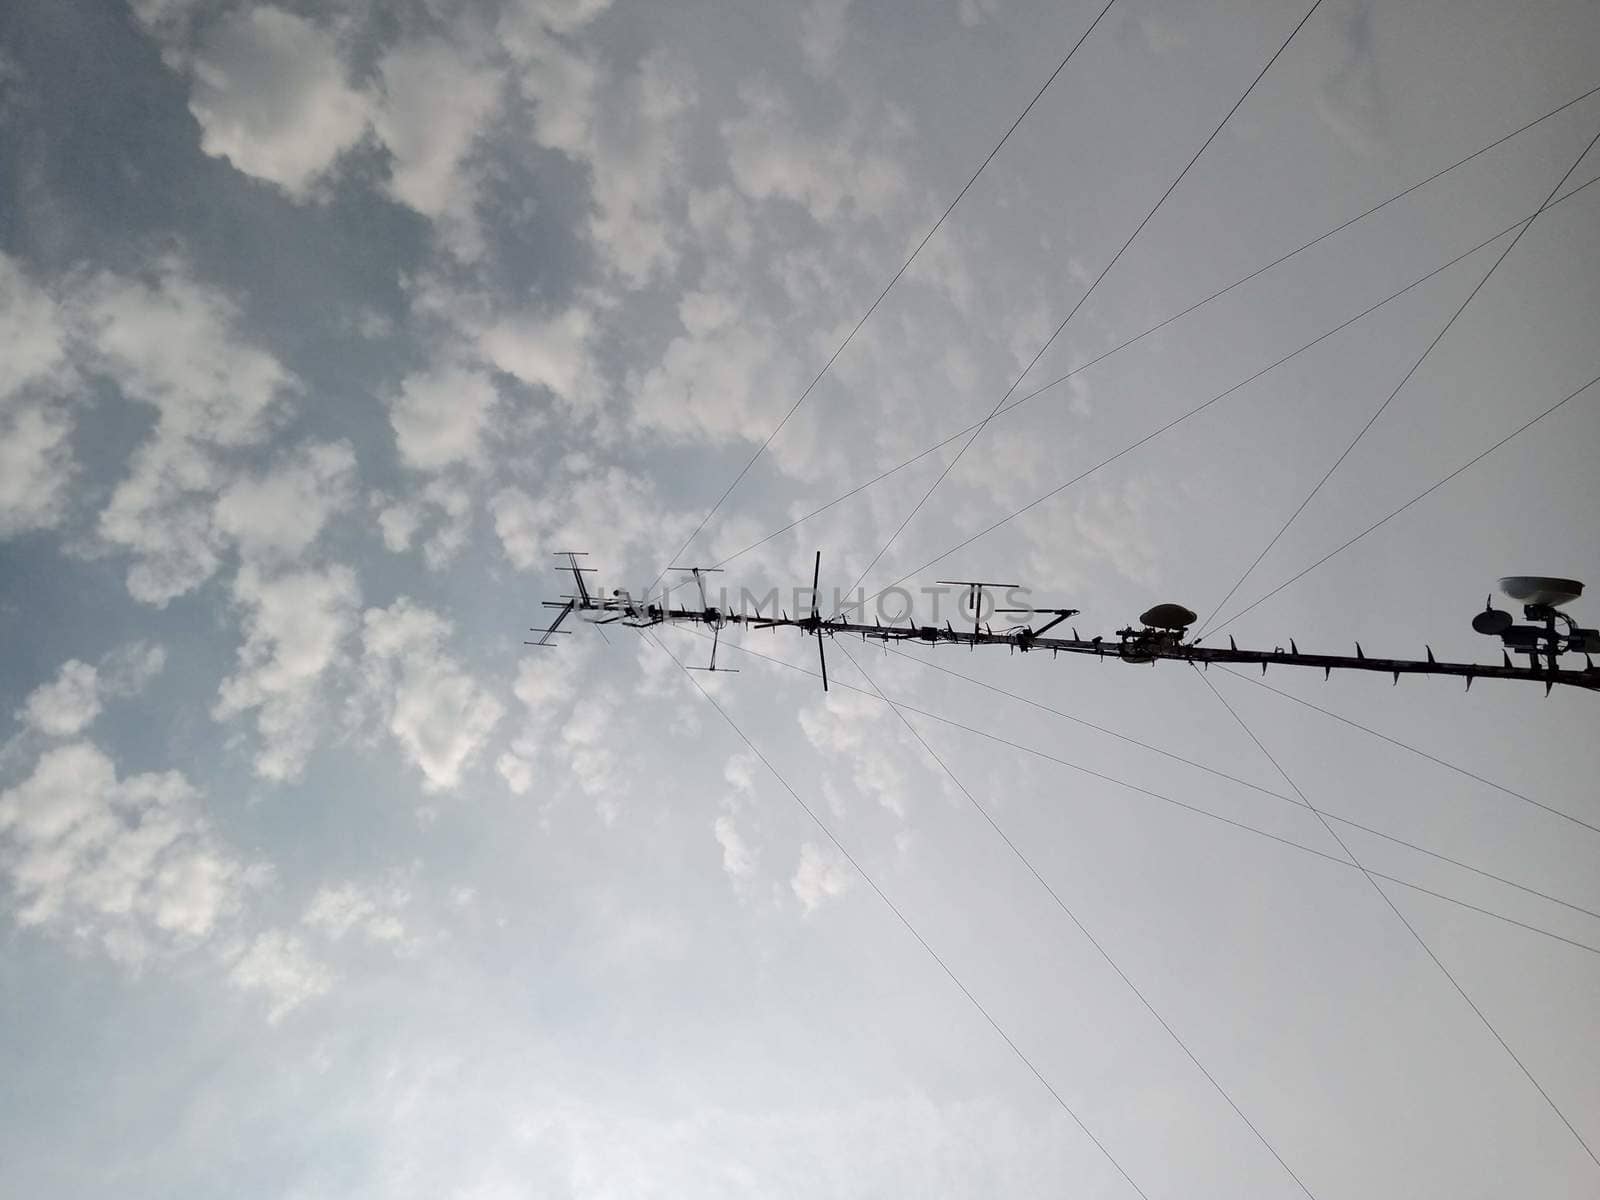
(325, 325)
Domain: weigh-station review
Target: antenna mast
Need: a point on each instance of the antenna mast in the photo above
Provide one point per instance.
(1160, 634)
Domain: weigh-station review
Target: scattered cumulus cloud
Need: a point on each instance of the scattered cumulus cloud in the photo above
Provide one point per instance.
(271, 97)
(127, 669)
(773, 155)
(739, 859)
(820, 876)
(438, 516)
(435, 710)
(732, 828)
(338, 910)
(172, 343)
(861, 734)
(280, 968)
(551, 352)
(546, 685)
(440, 416)
(295, 625)
(557, 77)
(588, 741)
(70, 703)
(559, 16)
(715, 381)
(637, 166)
(435, 98)
(131, 864)
(36, 464)
(584, 504)
(278, 514)
(1113, 523)
(630, 133)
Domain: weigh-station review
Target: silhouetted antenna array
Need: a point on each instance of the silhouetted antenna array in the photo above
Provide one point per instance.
(1548, 636)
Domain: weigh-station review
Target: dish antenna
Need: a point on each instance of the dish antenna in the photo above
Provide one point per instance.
(1492, 621)
(1540, 597)
(1542, 590)
(1168, 616)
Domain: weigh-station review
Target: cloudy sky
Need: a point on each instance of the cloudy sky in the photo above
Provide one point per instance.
(323, 323)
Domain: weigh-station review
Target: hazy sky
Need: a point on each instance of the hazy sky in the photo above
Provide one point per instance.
(323, 324)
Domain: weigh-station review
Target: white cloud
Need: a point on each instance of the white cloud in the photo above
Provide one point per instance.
(441, 419)
(337, 910)
(740, 773)
(295, 623)
(517, 771)
(69, 704)
(820, 876)
(443, 509)
(561, 80)
(159, 513)
(398, 522)
(271, 97)
(126, 670)
(559, 16)
(630, 133)
(173, 345)
(864, 735)
(435, 100)
(738, 858)
(716, 381)
(741, 860)
(588, 740)
(279, 514)
(36, 464)
(546, 684)
(440, 416)
(584, 505)
(440, 716)
(637, 164)
(168, 17)
(130, 864)
(720, 217)
(1114, 523)
(278, 965)
(550, 352)
(773, 156)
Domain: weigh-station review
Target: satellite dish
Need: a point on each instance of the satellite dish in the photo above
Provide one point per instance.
(1541, 589)
(1493, 621)
(1169, 616)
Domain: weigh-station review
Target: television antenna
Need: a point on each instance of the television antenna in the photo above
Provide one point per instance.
(1546, 639)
